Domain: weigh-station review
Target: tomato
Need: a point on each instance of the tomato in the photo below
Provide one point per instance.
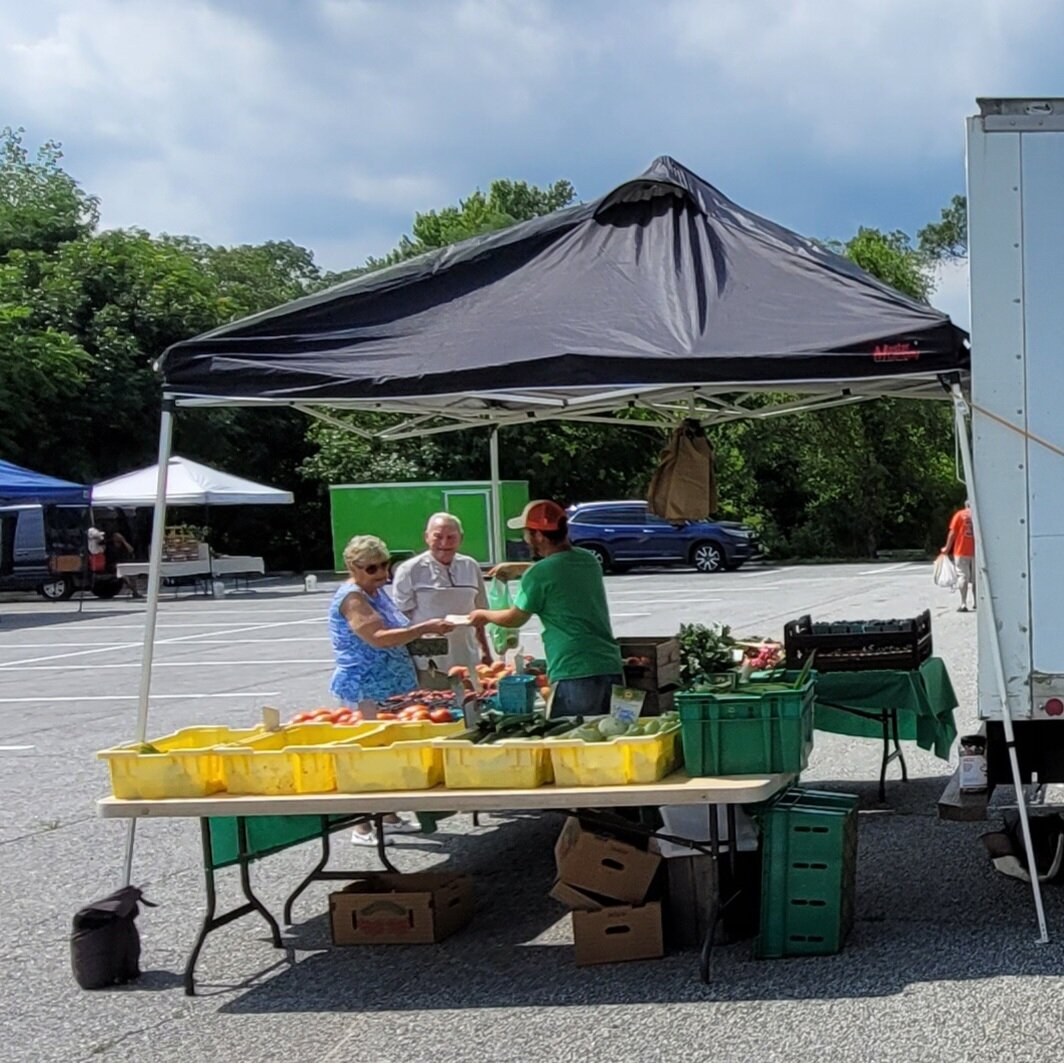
(440, 716)
(418, 706)
(320, 714)
(421, 715)
(301, 717)
(387, 716)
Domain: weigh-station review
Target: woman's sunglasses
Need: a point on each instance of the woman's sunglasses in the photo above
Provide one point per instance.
(372, 570)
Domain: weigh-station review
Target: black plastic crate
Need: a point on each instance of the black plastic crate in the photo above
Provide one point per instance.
(859, 645)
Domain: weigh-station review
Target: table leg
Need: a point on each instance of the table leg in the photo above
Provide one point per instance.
(319, 874)
(889, 720)
(382, 853)
(245, 883)
(211, 921)
(706, 953)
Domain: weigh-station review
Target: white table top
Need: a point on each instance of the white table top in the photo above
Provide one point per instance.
(200, 567)
(218, 566)
(675, 789)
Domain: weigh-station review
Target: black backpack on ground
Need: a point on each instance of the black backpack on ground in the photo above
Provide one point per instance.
(1007, 851)
(104, 943)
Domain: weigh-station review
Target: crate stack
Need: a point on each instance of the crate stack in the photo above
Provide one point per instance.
(652, 664)
(808, 873)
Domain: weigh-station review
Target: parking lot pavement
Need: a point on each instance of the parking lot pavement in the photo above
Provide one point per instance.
(940, 965)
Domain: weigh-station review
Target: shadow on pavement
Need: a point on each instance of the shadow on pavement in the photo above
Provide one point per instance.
(929, 909)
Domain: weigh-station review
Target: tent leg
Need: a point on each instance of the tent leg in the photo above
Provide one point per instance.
(166, 433)
(497, 552)
(987, 616)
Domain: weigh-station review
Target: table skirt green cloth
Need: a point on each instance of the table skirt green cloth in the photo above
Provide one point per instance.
(924, 700)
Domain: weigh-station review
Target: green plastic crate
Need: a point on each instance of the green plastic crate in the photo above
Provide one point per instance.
(808, 873)
(746, 731)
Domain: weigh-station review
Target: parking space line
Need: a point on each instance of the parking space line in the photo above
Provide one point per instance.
(135, 697)
(204, 642)
(178, 664)
(10, 665)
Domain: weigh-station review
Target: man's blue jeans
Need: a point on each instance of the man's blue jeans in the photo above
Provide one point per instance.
(587, 696)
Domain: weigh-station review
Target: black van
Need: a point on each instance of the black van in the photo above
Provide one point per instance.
(44, 548)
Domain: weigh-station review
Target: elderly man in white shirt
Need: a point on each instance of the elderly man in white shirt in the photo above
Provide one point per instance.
(440, 582)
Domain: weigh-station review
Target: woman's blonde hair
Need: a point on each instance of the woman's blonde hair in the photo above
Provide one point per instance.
(364, 548)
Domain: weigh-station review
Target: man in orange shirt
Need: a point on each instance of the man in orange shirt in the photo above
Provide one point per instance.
(961, 544)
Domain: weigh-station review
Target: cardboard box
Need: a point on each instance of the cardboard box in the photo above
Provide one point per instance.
(577, 900)
(598, 864)
(388, 909)
(623, 932)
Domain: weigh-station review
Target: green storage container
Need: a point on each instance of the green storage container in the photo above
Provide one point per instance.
(746, 731)
(808, 873)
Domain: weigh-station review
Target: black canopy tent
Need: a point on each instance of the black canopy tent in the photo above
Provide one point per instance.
(662, 295)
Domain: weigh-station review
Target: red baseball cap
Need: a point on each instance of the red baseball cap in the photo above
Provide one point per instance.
(540, 515)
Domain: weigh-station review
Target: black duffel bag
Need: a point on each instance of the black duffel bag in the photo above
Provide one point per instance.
(104, 943)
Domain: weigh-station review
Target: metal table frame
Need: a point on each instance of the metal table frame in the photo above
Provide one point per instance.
(888, 720)
(340, 811)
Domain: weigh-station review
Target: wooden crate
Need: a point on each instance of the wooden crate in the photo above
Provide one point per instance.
(663, 654)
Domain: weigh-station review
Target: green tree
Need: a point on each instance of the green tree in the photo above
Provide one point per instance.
(506, 202)
(948, 237)
(41, 206)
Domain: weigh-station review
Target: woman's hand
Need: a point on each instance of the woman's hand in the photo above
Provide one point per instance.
(439, 626)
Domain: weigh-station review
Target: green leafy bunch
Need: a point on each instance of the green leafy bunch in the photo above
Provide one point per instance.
(704, 650)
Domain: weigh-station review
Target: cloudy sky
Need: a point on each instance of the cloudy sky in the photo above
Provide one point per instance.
(329, 122)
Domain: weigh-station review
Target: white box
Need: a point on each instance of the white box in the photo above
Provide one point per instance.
(692, 821)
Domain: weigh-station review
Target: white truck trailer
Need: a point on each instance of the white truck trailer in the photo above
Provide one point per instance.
(1015, 469)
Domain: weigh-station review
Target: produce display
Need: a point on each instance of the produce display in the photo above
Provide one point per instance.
(494, 726)
(605, 728)
(460, 736)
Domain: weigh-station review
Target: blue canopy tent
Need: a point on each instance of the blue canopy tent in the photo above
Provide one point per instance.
(23, 485)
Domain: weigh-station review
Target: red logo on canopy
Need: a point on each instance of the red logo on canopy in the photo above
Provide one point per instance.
(895, 352)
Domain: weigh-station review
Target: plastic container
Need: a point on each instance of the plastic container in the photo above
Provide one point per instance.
(297, 759)
(808, 873)
(398, 756)
(747, 731)
(186, 764)
(618, 762)
(509, 764)
(517, 693)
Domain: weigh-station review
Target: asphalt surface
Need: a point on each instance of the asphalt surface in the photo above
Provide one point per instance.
(941, 964)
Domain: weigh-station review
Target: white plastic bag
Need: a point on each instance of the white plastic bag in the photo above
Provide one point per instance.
(945, 572)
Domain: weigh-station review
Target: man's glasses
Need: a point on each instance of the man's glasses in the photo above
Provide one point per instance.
(371, 570)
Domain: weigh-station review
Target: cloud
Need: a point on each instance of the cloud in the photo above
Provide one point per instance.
(331, 122)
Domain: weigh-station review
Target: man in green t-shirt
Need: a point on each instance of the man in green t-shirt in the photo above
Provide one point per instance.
(564, 589)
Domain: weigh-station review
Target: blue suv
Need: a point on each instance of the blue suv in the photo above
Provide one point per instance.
(620, 534)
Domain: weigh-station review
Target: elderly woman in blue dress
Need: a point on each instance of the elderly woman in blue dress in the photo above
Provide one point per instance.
(369, 638)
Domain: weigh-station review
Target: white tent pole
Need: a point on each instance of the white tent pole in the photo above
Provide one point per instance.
(497, 553)
(987, 616)
(158, 530)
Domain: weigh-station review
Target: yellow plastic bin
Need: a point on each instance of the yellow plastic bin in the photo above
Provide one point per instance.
(618, 762)
(399, 756)
(509, 764)
(183, 764)
(297, 759)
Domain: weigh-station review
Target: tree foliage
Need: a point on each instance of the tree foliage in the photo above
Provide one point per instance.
(948, 237)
